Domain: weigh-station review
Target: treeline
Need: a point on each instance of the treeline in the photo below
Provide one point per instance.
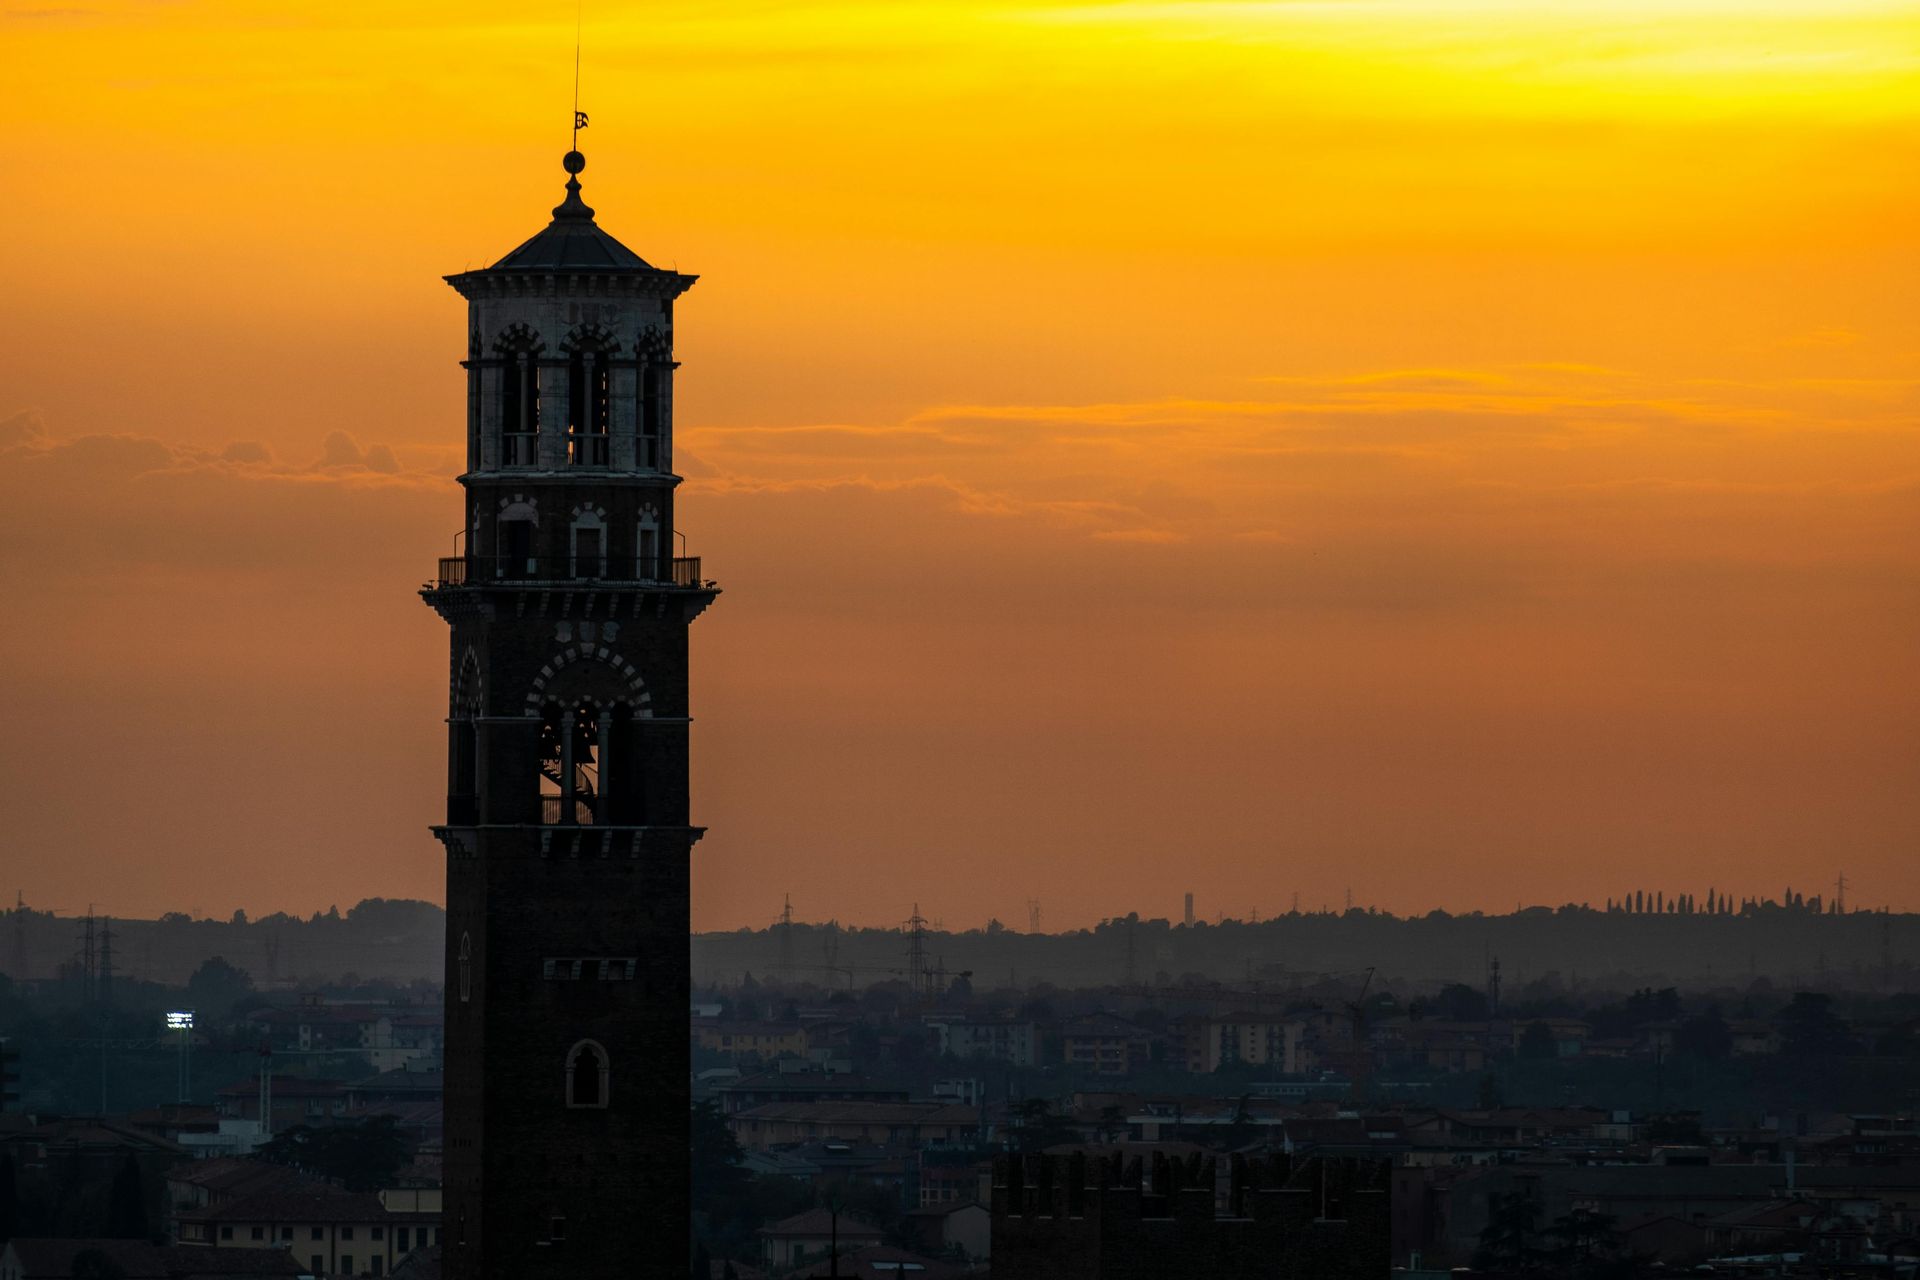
(377, 938)
(1570, 947)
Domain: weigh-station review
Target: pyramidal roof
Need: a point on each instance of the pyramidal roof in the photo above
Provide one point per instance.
(572, 241)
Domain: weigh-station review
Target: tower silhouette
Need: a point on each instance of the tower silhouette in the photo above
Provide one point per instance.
(567, 831)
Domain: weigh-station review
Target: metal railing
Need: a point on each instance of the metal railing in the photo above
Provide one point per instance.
(470, 571)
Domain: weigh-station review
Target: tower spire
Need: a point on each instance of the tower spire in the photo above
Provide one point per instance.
(574, 162)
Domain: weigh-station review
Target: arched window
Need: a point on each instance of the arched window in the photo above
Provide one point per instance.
(519, 351)
(466, 967)
(647, 545)
(572, 742)
(463, 783)
(515, 528)
(589, 398)
(653, 354)
(589, 544)
(587, 1075)
(653, 415)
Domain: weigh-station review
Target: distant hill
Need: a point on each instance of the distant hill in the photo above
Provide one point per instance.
(1797, 946)
(399, 939)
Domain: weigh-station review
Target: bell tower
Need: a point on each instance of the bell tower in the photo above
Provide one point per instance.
(567, 832)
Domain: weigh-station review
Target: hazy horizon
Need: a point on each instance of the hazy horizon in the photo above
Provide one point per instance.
(1460, 455)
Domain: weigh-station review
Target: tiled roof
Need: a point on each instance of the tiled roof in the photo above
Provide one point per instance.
(573, 243)
(232, 1174)
(882, 1262)
(287, 1087)
(139, 1260)
(819, 1222)
(309, 1203)
(85, 1131)
(855, 1112)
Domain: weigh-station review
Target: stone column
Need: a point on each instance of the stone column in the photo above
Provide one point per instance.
(555, 400)
(566, 768)
(602, 811)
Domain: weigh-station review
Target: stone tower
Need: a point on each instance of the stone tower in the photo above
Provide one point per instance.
(567, 833)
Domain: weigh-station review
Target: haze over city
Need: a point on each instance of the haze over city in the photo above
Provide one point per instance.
(1459, 455)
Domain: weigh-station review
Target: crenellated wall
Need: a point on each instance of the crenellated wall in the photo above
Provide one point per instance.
(1081, 1217)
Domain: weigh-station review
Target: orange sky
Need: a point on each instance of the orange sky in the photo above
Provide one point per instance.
(1459, 452)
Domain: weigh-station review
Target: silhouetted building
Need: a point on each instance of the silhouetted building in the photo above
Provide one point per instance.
(567, 829)
(1075, 1217)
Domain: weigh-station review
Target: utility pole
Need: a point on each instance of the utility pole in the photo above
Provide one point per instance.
(266, 1090)
(916, 950)
(104, 983)
(19, 937)
(786, 939)
(86, 958)
(1033, 913)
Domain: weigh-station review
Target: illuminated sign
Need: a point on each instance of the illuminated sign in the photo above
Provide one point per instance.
(180, 1020)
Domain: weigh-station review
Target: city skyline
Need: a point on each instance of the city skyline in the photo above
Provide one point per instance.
(1239, 449)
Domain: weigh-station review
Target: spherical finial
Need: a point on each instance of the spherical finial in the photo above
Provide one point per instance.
(573, 162)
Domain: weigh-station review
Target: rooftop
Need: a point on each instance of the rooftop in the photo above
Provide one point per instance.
(573, 244)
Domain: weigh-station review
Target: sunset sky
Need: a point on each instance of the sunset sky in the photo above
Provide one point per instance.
(1456, 452)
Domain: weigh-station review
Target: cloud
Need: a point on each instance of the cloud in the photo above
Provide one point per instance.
(26, 443)
(19, 428)
(342, 450)
(1317, 611)
(1597, 462)
(246, 451)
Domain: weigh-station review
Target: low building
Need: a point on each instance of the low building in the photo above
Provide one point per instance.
(1104, 1044)
(805, 1086)
(953, 1178)
(963, 1228)
(1011, 1041)
(762, 1040)
(330, 1231)
(30, 1258)
(294, 1101)
(817, 1233)
(899, 1125)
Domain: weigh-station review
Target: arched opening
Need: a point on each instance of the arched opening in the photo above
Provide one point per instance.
(515, 531)
(463, 772)
(466, 967)
(587, 1075)
(653, 415)
(519, 397)
(589, 535)
(647, 545)
(589, 401)
(573, 745)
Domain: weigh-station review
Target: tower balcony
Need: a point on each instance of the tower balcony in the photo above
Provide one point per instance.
(483, 571)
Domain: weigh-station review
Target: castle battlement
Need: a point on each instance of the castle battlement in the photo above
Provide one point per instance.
(1079, 1216)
